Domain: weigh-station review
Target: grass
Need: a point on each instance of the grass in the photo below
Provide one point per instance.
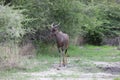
(85, 53)
(32, 65)
(88, 52)
(64, 76)
(96, 53)
(117, 79)
(44, 60)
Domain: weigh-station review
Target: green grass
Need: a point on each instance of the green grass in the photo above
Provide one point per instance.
(117, 79)
(89, 52)
(43, 61)
(97, 53)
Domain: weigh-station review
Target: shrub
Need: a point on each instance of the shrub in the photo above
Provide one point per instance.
(100, 20)
(91, 27)
(11, 27)
(94, 37)
(112, 13)
(11, 31)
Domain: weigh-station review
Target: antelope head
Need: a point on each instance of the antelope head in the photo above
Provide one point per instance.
(54, 27)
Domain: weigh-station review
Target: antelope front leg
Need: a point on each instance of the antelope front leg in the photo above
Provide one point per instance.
(63, 55)
(60, 60)
(66, 56)
(66, 59)
(60, 57)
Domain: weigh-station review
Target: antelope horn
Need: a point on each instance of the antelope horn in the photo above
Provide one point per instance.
(57, 24)
(52, 25)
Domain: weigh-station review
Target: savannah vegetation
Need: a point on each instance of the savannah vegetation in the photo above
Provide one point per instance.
(24, 31)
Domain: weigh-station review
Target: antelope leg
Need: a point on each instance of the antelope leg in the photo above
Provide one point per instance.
(60, 58)
(63, 55)
(66, 59)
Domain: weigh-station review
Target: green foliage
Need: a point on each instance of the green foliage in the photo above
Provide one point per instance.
(44, 12)
(98, 24)
(11, 23)
(67, 13)
(94, 36)
(42, 49)
(113, 15)
(37, 11)
(92, 19)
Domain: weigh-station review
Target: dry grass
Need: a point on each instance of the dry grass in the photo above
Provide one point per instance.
(10, 55)
(27, 50)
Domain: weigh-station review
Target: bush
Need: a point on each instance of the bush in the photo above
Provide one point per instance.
(112, 13)
(100, 20)
(11, 27)
(37, 11)
(45, 12)
(93, 19)
(11, 31)
(94, 37)
(69, 14)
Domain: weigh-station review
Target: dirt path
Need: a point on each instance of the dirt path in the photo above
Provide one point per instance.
(78, 70)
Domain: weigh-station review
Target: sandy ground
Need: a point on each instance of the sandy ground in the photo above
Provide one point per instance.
(98, 71)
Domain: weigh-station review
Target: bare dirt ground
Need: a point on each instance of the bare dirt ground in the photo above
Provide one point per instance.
(77, 70)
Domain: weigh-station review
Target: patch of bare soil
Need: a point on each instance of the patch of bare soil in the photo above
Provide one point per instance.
(106, 71)
(109, 67)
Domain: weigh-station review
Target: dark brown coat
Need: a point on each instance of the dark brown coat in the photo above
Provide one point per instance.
(62, 40)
